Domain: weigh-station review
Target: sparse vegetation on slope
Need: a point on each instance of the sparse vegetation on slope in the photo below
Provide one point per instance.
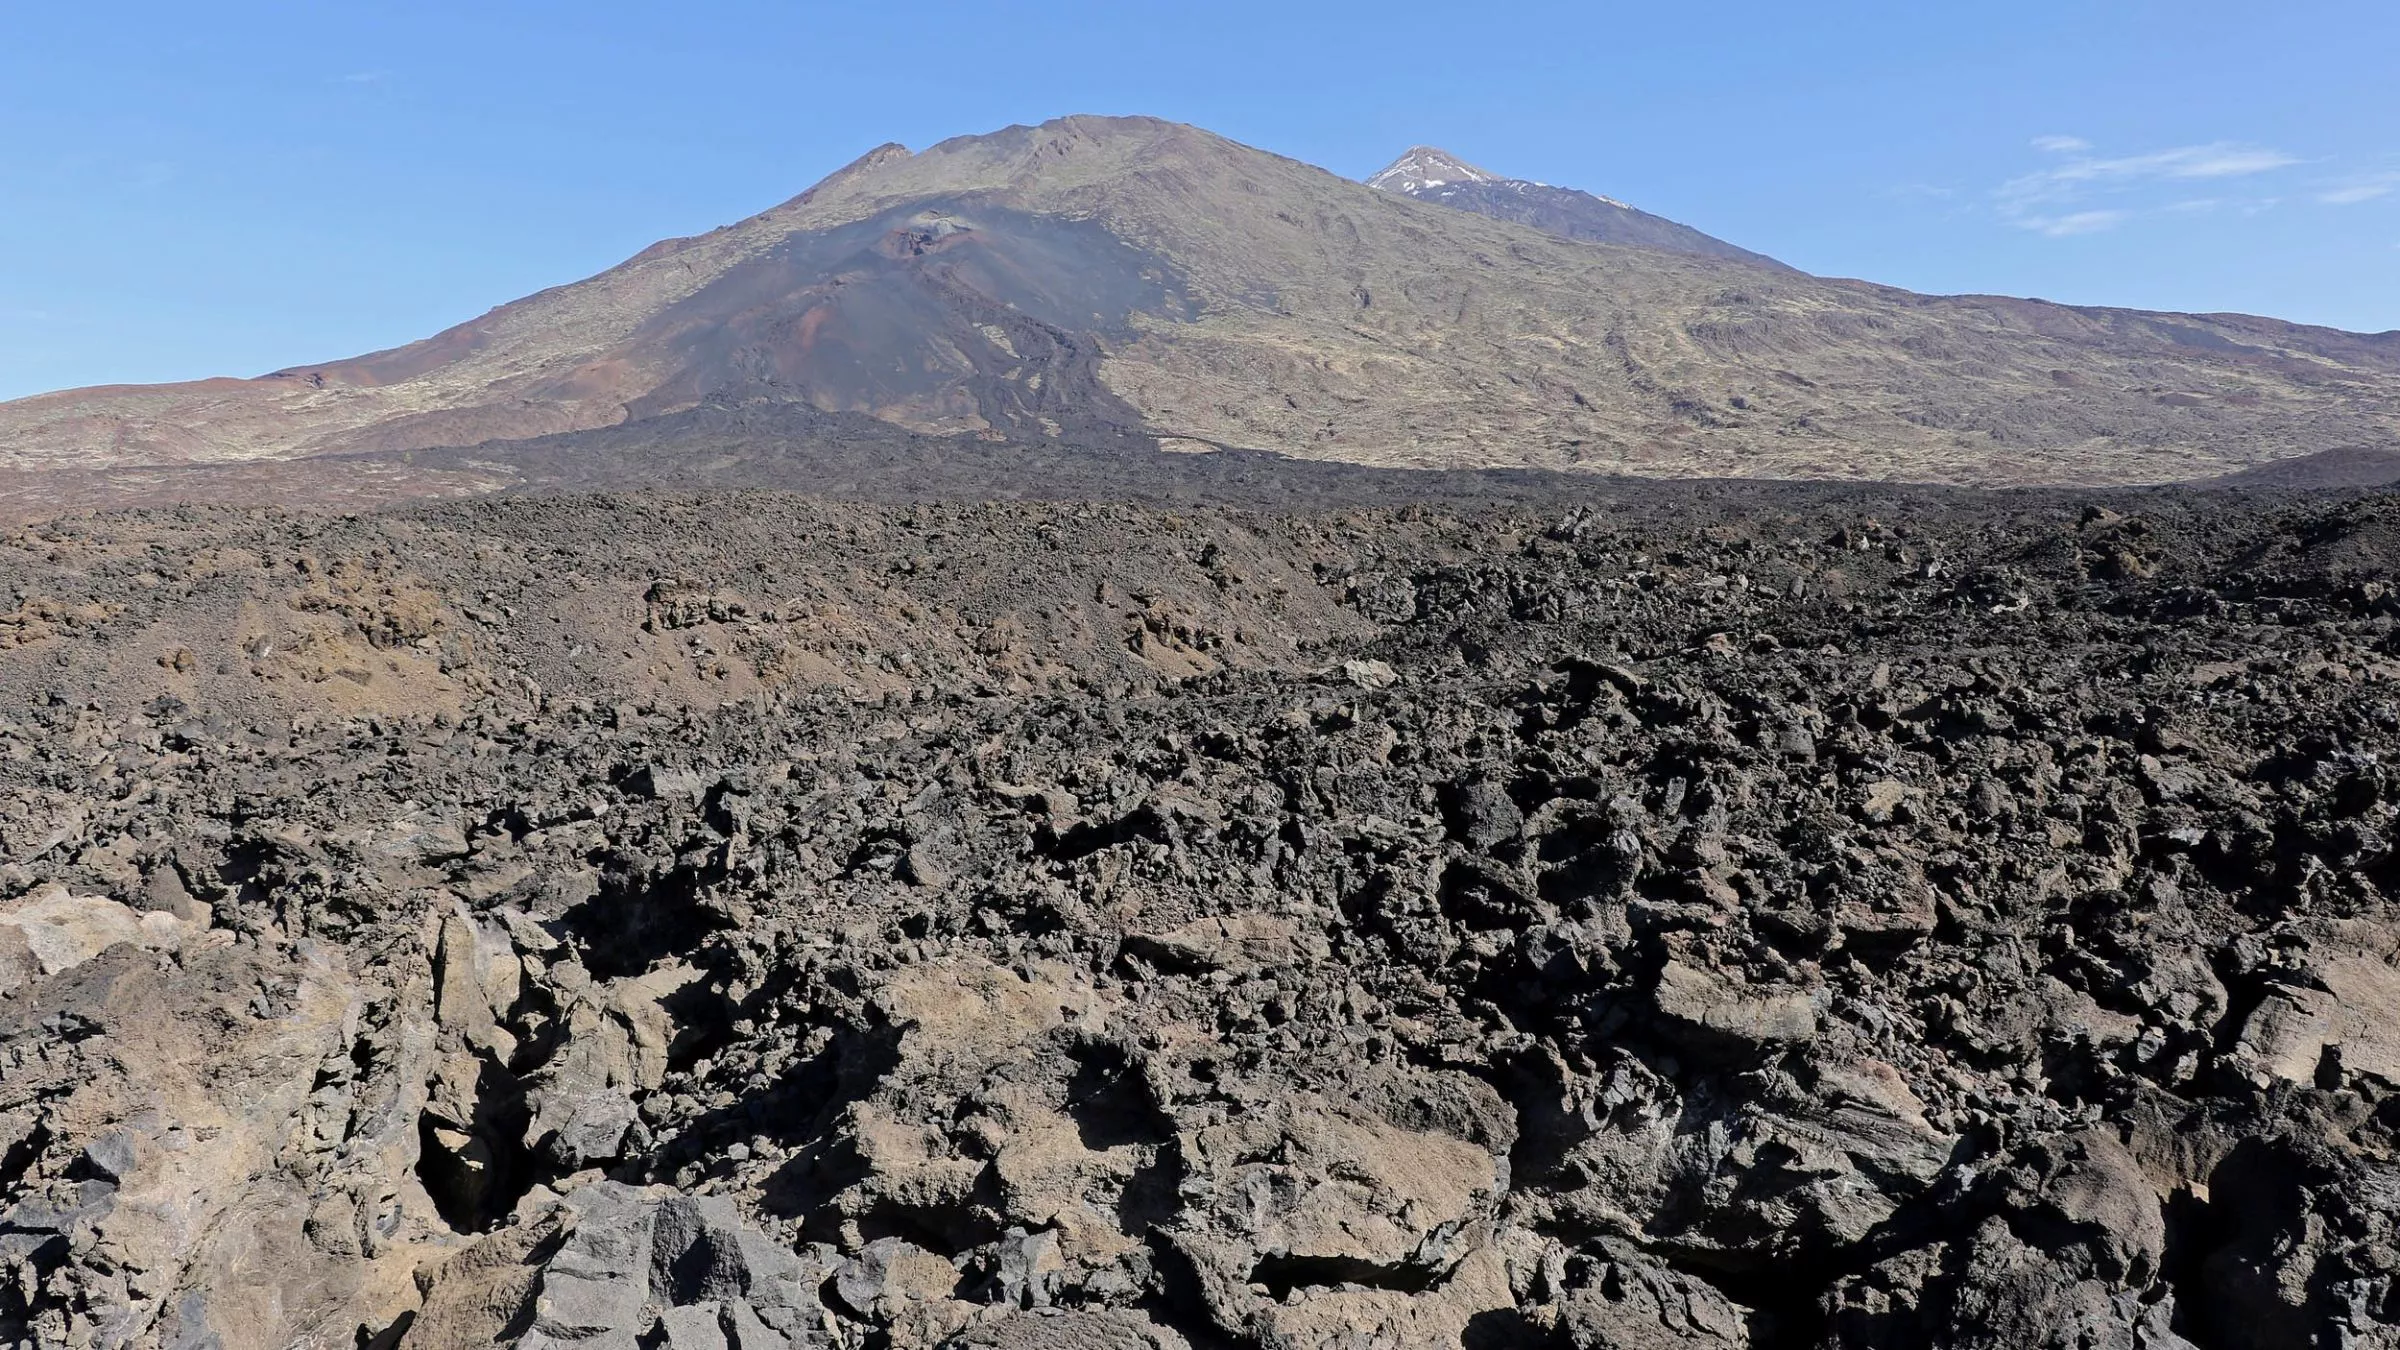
(1098, 279)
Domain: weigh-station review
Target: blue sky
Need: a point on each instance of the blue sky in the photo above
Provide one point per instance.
(228, 188)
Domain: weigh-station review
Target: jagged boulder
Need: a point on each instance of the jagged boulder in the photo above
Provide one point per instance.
(618, 1266)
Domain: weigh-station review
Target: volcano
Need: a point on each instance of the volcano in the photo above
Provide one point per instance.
(1109, 282)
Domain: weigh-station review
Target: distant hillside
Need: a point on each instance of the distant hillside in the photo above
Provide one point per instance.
(1126, 282)
(1431, 175)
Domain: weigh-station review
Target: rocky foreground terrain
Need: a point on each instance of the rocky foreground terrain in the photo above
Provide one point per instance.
(1695, 917)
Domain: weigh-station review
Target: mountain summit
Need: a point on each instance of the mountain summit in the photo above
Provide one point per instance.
(1127, 282)
(1432, 175)
(1424, 168)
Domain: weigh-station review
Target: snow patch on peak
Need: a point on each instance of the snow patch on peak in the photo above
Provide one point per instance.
(1425, 170)
(1425, 167)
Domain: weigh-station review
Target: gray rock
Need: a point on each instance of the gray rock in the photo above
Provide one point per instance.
(579, 1129)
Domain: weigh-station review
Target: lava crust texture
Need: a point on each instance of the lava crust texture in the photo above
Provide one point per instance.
(1710, 919)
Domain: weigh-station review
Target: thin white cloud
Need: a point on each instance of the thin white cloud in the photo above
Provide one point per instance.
(2074, 223)
(2221, 160)
(2247, 206)
(2352, 196)
(2085, 193)
(2359, 188)
(364, 77)
(2211, 161)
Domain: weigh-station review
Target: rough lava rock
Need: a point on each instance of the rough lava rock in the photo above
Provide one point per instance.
(1706, 917)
